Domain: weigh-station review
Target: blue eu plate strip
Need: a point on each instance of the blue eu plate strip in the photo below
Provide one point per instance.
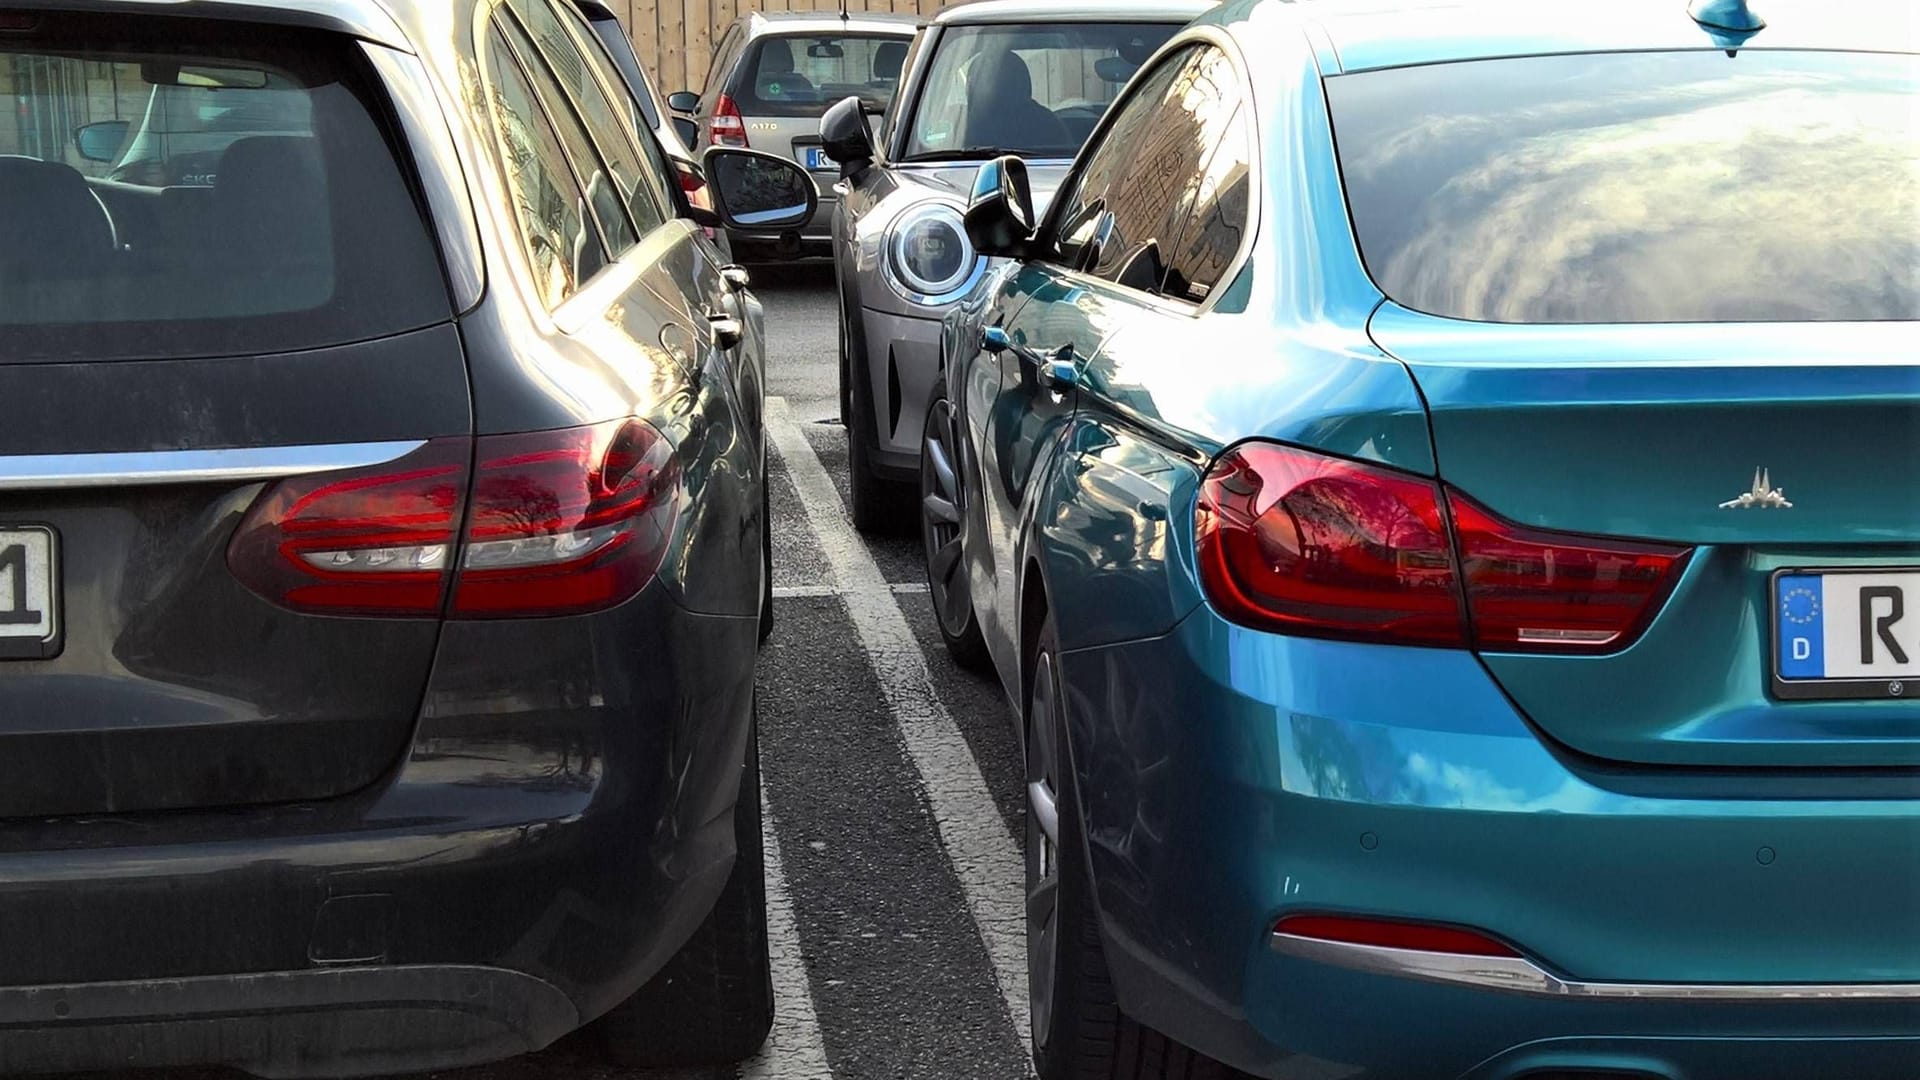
(1799, 608)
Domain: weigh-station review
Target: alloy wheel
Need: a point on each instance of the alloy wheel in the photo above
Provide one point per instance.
(1043, 851)
(940, 508)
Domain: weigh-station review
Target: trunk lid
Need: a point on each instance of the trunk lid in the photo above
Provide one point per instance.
(170, 351)
(1644, 432)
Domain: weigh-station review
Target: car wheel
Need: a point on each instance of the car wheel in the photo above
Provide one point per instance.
(1079, 1032)
(766, 556)
(713, 1002)
(942, 510)
(877, 505)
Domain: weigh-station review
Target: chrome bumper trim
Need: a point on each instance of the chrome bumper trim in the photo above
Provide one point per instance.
(53, 472)
(1517, 975)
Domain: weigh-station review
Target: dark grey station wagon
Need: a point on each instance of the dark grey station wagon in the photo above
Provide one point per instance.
(382, 545)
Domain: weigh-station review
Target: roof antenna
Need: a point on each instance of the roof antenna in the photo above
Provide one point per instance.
(843, 11)
(1728, 22)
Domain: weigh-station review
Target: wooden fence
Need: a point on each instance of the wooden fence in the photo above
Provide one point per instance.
(676, 36)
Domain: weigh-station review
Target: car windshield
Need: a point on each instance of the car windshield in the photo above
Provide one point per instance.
(1031, 90)
(155, 203)
(800, 75)
(1659, 187)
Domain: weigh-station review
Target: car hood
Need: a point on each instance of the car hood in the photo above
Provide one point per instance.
(954, 180)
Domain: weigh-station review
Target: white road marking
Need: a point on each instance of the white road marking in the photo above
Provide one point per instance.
(788, 592)
(794, 1050)
(974, 836)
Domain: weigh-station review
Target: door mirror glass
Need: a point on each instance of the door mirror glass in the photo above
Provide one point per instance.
(1000, 215)
(687, 130)
(101, 141)
(845, 137)
(757, 192)
(683, 101)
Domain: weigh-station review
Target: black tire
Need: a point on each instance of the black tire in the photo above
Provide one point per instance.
(943, 510)
(1078, 1029)
(713, 1002)
(766, 560)
(877, 505)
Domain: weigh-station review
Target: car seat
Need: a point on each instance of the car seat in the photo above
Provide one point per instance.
(1001, 111)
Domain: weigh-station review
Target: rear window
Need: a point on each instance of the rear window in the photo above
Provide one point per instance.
(1653, 187)
(206, 192)
(800, 75)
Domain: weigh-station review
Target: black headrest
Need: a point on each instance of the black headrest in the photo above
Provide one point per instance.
(776, 57)
(49, 214)
(888, 59)
(1001, 76)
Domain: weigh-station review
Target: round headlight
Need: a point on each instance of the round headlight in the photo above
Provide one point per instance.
(929, 251)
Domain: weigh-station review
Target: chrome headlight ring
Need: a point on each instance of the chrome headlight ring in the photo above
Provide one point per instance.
(927, 256)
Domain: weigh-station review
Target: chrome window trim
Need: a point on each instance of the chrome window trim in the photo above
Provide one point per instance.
(1518, 975)
(56, 472)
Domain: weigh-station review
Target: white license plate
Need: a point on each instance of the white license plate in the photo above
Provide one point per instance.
(29, 593)
(817, 159)
(1846, 633)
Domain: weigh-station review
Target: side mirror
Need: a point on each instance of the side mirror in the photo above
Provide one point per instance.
(845, 138)
(101, 141)
(688, 130)
(1000, 217)
(758, 193)
(683, 101)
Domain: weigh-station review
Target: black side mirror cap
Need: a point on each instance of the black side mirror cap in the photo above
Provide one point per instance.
(683, 101)
(756, 192)
(845, 137)
(1000, 217)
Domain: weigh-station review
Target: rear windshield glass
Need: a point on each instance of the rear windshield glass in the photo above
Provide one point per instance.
(1034, 90)
(1659, 187)
(801, 75)
(198, 194)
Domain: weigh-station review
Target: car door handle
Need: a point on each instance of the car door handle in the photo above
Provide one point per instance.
(1057, 370)
(736, 277)
(726, 330)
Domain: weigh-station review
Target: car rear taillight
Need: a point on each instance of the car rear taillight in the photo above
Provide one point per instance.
(566, 521)
(376, 541)
(1302, 543)
(1307, 544)
(727, 127)
(560, 522)
(1393, 934)
(1535, 591)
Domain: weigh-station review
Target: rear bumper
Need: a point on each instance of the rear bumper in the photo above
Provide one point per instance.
(1711, 929)
(815, 239)
(559, 828)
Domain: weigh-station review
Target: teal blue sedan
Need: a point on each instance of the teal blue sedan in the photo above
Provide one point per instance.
(1441, 487)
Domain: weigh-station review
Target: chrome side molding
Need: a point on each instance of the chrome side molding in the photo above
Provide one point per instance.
(56, 472)
(1518, 975)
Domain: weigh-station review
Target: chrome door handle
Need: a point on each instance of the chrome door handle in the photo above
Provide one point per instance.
(726, 330)
(736, 277)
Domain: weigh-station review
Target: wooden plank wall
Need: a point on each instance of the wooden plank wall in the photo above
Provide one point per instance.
(676, 37)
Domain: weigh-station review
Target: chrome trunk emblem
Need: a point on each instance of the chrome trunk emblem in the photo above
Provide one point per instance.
(1763, 496)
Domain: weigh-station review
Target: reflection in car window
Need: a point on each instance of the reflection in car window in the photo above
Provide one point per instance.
(1217, 224)
(576, 70)
(1036, 90)
(563, 248)
(1658, 187)
(1153, 189)
(1082, 209)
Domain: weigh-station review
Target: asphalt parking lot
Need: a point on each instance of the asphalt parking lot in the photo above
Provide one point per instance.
(891, 781)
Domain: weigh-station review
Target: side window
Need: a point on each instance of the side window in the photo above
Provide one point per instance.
(1218, 223)
(614, 131)
(1151, 199)
(561, 243)
(1106, 162)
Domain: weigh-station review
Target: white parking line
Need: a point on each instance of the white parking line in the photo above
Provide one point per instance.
(977, 842)
(794, 1050)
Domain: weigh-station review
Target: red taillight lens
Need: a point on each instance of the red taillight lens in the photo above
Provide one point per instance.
(1393, 935)
(1307, 544)
(1301, 543)
(694, 186)
(727, 127)
(1536, 591)
(566, 521)
(373, 541)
